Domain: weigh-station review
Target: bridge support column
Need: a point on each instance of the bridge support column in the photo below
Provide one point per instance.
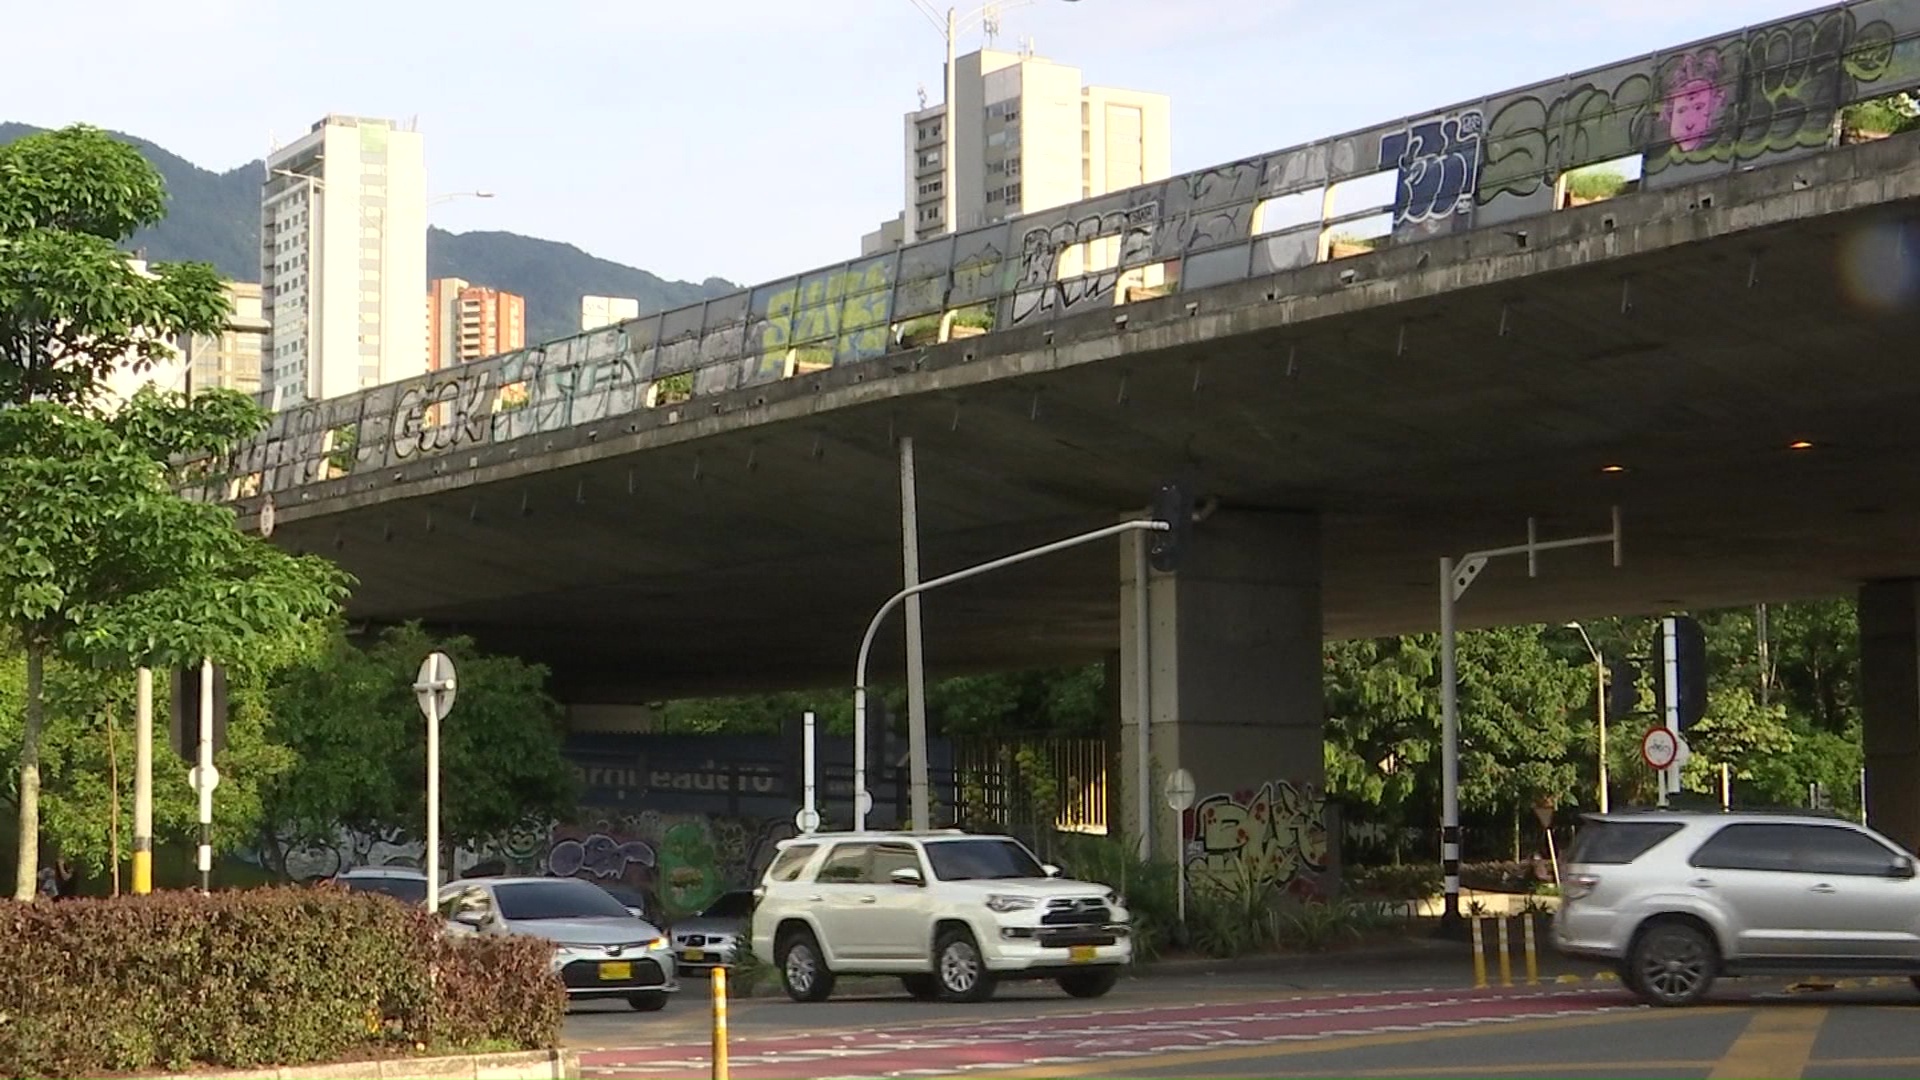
(1890, 705)
(1235, 655)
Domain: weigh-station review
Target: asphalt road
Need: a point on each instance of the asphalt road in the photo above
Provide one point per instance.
(1422, 1018)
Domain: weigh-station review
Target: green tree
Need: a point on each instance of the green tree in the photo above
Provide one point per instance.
(350, 717)
(72, 307)
(108, 567)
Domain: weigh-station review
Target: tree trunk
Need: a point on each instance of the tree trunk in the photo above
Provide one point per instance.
(26, 879)
(113, 804)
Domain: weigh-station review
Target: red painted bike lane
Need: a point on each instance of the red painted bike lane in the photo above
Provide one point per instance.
(947, 1048)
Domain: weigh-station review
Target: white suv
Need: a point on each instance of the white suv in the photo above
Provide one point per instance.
(948, 912)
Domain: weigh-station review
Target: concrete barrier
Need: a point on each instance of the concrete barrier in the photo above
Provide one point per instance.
(526, 1065)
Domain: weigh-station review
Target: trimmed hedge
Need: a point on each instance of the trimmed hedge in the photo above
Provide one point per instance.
(278, 976)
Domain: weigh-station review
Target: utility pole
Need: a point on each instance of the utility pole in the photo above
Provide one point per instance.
(916, 657)
(949, 204)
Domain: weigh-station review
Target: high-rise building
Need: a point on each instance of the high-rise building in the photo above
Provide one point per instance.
(599, 311)
(228, 360)
(1028, 136)
(466, 322)
(343, 260)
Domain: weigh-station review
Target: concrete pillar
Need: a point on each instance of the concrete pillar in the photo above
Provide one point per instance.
(1890, 706)
(1235, 651)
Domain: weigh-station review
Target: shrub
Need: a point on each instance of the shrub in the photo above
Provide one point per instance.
(281, 976)
(1408, 881)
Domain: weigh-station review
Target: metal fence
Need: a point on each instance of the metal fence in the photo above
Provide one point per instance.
(1033, 784)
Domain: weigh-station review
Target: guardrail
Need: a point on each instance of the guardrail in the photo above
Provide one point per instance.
(1769, 92)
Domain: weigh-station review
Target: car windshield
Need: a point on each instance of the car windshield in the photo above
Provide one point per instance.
(412, 890)
(561, 898)
(734, 905)
(976, 860)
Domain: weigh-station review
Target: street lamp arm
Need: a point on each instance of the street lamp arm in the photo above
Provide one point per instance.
(873, 628)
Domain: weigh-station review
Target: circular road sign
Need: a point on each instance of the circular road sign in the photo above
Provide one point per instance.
(1179, 789)
(807, 820)
(1659, 747)
(435, 686)
(266, 517)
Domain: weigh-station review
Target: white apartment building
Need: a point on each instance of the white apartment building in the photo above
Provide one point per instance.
(1028, 136)
(229, 360)
(343, 260)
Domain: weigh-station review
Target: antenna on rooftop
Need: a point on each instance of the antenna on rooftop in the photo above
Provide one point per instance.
(922, 91)
(990, 23)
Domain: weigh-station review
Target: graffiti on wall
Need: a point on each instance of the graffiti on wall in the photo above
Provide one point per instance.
(1041, 290)
(1439, 167)
(842, 315)
(1763, 92)
(684, 861)
(1275, 837)
(1777, 88)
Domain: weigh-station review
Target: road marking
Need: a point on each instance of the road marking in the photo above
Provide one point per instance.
(1778, 1041)
(1187, 1059)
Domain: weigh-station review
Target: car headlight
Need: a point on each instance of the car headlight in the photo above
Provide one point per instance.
(1004, 904)
(656, 943)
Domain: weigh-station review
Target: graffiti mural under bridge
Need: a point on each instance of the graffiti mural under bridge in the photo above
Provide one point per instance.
(1274, 837)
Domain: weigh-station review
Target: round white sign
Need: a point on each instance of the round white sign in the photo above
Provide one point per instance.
(807, 820)
(1659, 748)
(1180, 789)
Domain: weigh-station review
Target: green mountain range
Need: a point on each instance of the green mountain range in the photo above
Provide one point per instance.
(215, 217)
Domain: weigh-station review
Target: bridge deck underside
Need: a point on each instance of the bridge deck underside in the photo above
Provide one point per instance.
(753, 559)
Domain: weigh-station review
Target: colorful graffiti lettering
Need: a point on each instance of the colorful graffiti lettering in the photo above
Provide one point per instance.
(1778, 88)
(1439, 167)
(838, 316)
(1269, 838)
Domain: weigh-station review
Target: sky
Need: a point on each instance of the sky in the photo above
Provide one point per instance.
(751, 139)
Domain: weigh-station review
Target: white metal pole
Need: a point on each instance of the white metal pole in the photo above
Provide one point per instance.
(1600, 710)
(950, 203)
(1726, 786)
(433, 800)
(1143, 696)
(916, 658)
(1180, 865)
(206, 774)
(143, 784)
(1670, 635)
(807, 766)
(860, 746)
(1449, 751)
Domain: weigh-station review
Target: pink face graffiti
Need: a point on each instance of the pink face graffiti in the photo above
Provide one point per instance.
(1693, 100)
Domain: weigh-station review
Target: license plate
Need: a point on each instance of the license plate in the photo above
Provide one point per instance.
(616, 970)
(1080, 954)
(694, 956)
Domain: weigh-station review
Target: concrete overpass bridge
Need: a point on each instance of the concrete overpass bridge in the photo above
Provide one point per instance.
(1372, 351)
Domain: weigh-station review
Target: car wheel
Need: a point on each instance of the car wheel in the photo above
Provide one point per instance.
(803, 969)
(1090, 984)
(648, 1002)
(958, 969)
(1674, 963)
(922, 987)
(1916, 981)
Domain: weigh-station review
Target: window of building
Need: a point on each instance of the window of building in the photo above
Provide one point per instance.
(1013, 166)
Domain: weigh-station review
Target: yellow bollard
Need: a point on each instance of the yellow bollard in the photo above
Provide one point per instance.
(1506, 961)
(719, 1023)
(1533, 956)
(1479, 957)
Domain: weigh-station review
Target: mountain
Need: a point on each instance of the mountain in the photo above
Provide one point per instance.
(215, 217)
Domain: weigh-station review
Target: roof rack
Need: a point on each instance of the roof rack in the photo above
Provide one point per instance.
(1758, 811)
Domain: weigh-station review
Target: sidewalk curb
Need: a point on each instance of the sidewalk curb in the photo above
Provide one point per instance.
(1397, 953)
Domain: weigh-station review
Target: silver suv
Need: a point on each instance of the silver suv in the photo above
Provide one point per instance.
(1676, 899)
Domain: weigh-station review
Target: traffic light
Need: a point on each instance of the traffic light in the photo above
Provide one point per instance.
(1690, 653)
(1623, 688)
(186, 711)
(1173, 504)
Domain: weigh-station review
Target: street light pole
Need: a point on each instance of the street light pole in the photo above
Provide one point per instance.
(1599, 706)
(862, 801)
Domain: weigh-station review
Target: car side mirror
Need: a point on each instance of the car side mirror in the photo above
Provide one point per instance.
(907, 875)
(1901, 868)
(474, 917)
(1050, 870)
